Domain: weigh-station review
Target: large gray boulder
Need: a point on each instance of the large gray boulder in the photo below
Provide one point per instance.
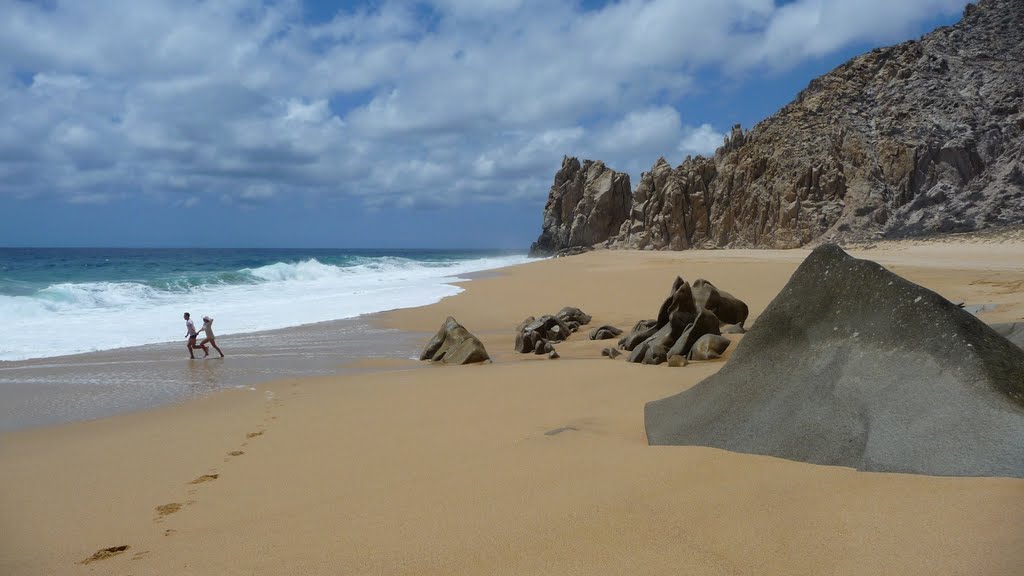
(851, 365)
(453, 344)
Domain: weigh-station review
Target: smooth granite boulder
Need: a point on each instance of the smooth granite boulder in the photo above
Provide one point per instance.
(605, 332)
(728, 308)
(709, 347)
(852, 365)
(570, 314)
(453, 344)
(704, 324)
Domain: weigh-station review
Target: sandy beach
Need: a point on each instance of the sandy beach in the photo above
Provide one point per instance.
(522, 466)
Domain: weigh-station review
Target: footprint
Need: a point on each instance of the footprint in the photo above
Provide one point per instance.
(165, 509)
(236, 453)
(140, 555)
(205, 478)
(105, 553)
(170, 532)
(254, 434)
(557, 431)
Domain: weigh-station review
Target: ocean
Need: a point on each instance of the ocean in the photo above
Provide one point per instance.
(93, 332)
(55, 302)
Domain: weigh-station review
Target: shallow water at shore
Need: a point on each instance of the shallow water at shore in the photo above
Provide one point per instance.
(88, 386)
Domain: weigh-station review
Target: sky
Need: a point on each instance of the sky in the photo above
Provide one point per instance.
(380, 124)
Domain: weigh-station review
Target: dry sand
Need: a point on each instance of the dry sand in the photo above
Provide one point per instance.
(523, 466)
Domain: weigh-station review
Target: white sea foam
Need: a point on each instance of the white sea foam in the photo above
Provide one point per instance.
(71, 318)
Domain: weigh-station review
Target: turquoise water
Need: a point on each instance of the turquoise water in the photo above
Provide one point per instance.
(57, 301)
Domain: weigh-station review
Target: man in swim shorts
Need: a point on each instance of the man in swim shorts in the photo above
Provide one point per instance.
(191, 335)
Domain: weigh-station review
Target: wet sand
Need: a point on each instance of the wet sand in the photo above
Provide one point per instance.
(523, 466)
(99, 384)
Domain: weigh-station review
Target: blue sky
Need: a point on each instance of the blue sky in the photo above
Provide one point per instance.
(393, 123)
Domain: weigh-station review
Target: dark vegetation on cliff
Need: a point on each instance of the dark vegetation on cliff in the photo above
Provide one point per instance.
(919, 138)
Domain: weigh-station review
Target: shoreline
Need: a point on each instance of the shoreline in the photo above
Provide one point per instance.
(54, 390)
(406, 329)
(522, 466)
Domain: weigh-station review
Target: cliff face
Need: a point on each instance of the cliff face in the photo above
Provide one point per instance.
(586, 206)
(918, 138)
(923, 137)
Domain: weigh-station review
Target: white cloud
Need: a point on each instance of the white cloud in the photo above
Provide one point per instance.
(813, 28)
(393, 102)
(702, 140)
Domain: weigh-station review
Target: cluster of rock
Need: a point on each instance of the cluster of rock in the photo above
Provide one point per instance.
(453, 344)
(688, 325)
(852, 365)
(919, 138)
(538, 335)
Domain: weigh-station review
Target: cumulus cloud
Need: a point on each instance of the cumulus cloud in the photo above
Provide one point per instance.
(701, 140)
(393, 102)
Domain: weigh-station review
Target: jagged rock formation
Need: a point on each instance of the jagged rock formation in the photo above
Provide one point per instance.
(682, 321)
(852, 365)
(922, 137)
(586, 206)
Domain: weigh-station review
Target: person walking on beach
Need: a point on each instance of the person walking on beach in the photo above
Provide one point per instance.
(208, 329)
(191, 334)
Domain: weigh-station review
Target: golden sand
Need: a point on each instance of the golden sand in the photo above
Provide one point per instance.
(523, 466)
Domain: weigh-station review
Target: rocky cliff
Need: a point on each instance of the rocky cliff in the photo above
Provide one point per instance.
(923, 137)
(586, 206)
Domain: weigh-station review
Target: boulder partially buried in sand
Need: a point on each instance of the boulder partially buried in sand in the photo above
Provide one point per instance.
(605, 332)
(852, 365)
(453, 344)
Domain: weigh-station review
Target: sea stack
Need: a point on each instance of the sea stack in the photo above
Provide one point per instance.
(586, 205)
